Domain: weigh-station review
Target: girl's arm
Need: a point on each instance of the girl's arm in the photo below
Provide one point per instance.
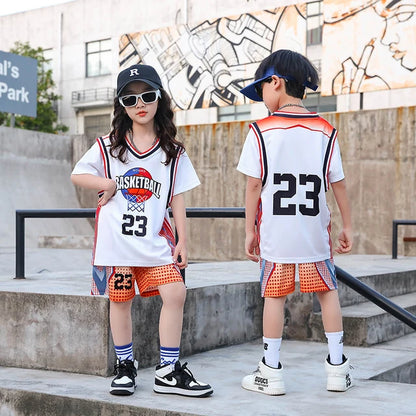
(180, 255)
(86, 180)
(253, 191)
(345, 237)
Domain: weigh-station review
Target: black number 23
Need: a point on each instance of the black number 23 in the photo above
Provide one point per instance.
(290, 209)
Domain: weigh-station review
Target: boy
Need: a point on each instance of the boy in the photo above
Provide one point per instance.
(290, 159)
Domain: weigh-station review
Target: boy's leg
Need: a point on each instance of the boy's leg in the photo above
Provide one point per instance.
(273, 320)
(337, 365)
(277, 281)
(332, 322)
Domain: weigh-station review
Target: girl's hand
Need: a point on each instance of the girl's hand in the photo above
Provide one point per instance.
(180, 255)
(252, 247)
(108, 193)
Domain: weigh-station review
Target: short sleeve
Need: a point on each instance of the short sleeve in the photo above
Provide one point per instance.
(335, 172)
(91, 162)
(186, 178)
(249, 163)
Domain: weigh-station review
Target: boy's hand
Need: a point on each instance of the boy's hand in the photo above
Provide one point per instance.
(345, 241)
(252, 247)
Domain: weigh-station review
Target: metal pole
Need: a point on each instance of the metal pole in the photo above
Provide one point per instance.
(394, 238)
(20, 246)
(376, 297)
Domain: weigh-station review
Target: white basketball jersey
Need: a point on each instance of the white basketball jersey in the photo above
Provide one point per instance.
(133, 228)
(296, 156)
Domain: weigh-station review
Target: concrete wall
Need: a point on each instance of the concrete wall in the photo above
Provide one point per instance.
(379, 155)
(35, 174)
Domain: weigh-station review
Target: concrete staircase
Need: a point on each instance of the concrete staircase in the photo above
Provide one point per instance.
(365, 323)
(50, 322)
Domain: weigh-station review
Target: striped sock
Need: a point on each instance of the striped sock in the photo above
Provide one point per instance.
(168, 355)
(124, 352)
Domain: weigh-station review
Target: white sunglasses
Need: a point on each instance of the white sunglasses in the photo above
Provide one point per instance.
(147, 97)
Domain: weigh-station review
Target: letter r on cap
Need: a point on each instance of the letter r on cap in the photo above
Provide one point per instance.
(133, 72)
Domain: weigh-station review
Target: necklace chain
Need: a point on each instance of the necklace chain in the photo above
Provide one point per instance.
(290, 105)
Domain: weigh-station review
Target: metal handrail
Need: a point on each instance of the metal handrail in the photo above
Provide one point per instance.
(396, 224)
(21, 214)
(207, 212)
(376, 297)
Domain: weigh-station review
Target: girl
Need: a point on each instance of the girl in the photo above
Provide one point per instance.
(139, 170)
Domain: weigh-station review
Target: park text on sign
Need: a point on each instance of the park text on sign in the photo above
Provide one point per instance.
(18, 84)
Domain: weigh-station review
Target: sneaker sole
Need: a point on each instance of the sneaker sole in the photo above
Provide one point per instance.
(182, 392)
(122, 391)
(271, 392)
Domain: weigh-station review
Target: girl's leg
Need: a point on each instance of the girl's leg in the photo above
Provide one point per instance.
(120, 322)
(171, 315)
(332, 322)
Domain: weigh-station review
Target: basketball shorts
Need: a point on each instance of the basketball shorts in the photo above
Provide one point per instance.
(122, 281)
(278, 279)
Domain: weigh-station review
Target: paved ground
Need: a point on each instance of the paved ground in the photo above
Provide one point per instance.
(67, 271)
(224, 368)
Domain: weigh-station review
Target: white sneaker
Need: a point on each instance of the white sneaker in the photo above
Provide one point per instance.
(265, 379)
(339, 377)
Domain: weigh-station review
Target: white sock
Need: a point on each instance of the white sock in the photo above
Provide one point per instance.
(271, 348)
(335, 346)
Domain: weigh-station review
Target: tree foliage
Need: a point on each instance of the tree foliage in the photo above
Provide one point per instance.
(46, 118)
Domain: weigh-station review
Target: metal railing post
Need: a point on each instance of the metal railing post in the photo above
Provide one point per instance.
(394, 240)
(20, 246)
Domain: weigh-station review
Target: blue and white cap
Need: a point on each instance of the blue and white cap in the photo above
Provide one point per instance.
(250, 90)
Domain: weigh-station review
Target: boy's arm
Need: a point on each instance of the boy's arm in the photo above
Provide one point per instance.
(86, 180)
(180, 255)
(345, 237)
(253, 191)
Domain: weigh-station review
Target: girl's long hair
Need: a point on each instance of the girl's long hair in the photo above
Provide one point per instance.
(165, 129)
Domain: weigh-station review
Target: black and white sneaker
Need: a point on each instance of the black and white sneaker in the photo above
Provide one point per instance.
(178, 379)
(125, 381)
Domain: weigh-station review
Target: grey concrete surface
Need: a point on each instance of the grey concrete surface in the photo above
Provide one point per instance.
(67, 272)
(35, 174)
(223, 368)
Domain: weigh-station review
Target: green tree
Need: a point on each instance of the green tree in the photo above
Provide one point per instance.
(46, 117)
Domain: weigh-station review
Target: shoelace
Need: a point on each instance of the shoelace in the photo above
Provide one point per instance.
(121, 368)
(186, 370)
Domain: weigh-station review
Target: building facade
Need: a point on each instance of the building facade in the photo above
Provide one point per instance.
(88, 41)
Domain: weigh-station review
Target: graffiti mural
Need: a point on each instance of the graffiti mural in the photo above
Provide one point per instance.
(206, 65)
(368, 45)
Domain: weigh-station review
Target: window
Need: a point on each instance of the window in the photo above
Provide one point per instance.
(98, 58)
(96, 126)
(234, 112)
(314, 22)
(316, 102)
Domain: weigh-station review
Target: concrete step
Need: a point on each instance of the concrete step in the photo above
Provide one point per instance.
(38, 393)
(366, 324)
(388, 284)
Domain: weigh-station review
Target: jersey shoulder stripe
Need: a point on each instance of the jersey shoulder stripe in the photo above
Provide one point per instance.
(104, 154)
(262, 152)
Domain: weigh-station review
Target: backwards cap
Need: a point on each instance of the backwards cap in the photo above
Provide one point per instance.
(250, 90)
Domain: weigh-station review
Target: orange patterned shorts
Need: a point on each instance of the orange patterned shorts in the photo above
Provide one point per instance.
(121, 281)
(278, 279)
